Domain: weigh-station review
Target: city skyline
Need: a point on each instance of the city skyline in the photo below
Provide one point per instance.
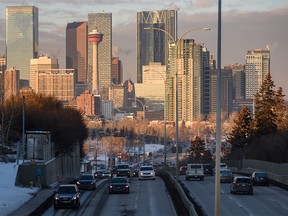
(246, 25)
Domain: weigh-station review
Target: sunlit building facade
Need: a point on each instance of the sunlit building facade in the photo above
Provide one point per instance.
(21, 39)
(76, 50)
(257, 66)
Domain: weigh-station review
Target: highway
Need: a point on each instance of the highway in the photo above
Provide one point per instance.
(266, 201)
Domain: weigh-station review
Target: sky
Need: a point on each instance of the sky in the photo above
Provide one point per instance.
(12, 197)
(246, 25)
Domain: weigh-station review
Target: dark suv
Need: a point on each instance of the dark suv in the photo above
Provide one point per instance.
(241, 184)
(67, 195)
(208, 169)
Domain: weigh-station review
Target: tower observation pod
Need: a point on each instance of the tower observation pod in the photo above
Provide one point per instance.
(95, 38)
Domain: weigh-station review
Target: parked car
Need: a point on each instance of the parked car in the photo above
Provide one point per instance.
(119, 185)
(260, 178)
(146, 172)
(241, 184)
(67, 195)
(208, 169)
(182, 170)
(86, 181)
(194, 171)
(226, 175)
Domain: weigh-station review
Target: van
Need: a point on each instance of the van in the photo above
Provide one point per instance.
(194, 171)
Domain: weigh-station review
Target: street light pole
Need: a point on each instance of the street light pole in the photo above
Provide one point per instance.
(176, 85)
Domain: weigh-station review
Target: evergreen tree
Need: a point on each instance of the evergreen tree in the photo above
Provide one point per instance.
(265, 114)
(281, 110)
(240, 136)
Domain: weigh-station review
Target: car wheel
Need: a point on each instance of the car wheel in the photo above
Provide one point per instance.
(55, 207)
(251, 192)
(231, 191)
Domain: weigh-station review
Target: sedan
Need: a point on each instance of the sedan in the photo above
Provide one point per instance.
(146, 172)
(260, 178)
(119, 185)
(241, 184)
(226, 175)
(86, 181)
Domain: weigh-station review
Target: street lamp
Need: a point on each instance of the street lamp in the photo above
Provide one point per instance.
(176, 83)
(143, 108)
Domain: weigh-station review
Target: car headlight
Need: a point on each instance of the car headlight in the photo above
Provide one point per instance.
(127, 186)
(56, 197)
(111, 186)
(78, 182)
(74, 197)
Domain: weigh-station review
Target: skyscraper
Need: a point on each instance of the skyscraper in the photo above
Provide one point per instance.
(21, 39)
(189, 65)
(117, 71)
(257, 66)
(103, 23)
(77, 50)
(152, 45)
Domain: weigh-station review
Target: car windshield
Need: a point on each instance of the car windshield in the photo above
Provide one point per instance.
(86, 177)
(225, 172)
(261, 174)
(119, 180)
(243, 180)
(195, 166)
(66, 190)
(123, 167)
(146, 168)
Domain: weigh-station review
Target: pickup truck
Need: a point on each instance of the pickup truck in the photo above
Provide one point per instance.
(123, 170)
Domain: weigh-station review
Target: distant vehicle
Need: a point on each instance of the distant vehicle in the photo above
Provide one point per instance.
(119, 185)
(226, 175)
(194, 171)
(146, 172)
(67, 195)
(223, 166)
(106, 174)
(98, 174)
(208, 169)
(135, 172)
(241, 184)
(123, 170)
(260, 178)
(86, 181)
(182, 170)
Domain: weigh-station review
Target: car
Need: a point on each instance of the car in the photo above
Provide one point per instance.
(194, 171)
(98, 174)
(146, 172)
(223, 166)
(86, 181)
(260, 178)
(123, 170)
(182, 170)
(67, 195)
(226, 175)
(119, 185)
(135, 172)
(241, 184)
(208, 169)
(106, 174)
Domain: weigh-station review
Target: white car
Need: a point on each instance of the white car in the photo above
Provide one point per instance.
(146, 172)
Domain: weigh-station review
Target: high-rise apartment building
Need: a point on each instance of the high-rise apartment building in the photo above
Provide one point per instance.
(43, 63)
(21, 39)
(77, 50)
(226, 92)
(188, 64)
(257, 66)
(117, 71)
(59, 83)
(2, 63)
(152, 45)
(238, 76)
(102, 22)
(10, 83)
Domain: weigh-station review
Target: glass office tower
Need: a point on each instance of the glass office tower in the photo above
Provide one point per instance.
(103, 23)
(21, 39)
(152, 45)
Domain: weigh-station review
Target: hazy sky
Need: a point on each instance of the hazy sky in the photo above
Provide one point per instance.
(246, 25)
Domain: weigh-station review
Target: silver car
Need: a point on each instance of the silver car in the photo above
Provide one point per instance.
(226, 175)
(146, 172)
